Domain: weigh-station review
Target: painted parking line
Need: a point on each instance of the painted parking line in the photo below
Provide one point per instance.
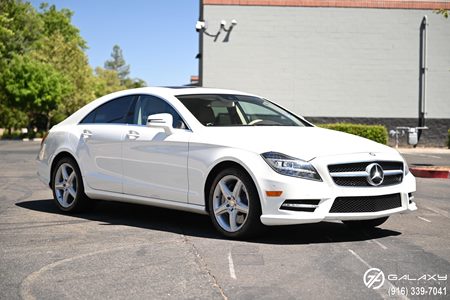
(437, 211)
(428, 155)
(231, 266)
(380, 244)
(423, 219)
(383, 291)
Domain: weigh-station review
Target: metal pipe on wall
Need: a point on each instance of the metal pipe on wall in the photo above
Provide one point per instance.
(423, 68)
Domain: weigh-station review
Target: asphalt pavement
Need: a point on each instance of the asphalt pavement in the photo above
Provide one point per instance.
(120, 251)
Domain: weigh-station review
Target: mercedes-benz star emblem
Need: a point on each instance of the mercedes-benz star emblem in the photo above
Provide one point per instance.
(375, 174)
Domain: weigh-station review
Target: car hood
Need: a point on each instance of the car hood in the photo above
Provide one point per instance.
(305, 143)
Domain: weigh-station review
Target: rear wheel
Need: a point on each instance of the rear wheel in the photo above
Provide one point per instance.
(365, 224)
(234, 204)
(67, 186)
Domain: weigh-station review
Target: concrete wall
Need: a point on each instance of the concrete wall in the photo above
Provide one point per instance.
(330, 62)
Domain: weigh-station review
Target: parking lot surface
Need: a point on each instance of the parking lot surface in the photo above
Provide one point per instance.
(129, 251)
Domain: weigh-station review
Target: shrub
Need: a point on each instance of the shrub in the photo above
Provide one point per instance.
(448, 143)
(14, 135)
(377, 133)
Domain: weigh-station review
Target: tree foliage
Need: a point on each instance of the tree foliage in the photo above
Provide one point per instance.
(443, 12)
(34, 87)
(107, 82)
(44, 70)
(117, 63)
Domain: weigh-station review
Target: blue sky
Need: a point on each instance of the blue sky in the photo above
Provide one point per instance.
(158, 37)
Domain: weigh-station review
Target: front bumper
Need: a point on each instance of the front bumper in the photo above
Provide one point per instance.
(325, 193)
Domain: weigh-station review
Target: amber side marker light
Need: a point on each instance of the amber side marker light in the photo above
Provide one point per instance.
(274, 193)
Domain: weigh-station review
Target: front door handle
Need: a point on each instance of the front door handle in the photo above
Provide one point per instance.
(86, 134)
(132, 135)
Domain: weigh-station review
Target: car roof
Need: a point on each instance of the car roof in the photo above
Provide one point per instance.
(185, 90)
(165, 92)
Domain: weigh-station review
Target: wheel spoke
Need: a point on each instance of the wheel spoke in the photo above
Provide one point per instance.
(64, 173)
(233, 224)
(241, 207)
(65, 197)
(225, 190)
(59, 186)
(72, 192)
(237, 189)
(221, 209)
(71, 177)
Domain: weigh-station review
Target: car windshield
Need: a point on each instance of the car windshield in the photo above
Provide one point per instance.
(238, 110)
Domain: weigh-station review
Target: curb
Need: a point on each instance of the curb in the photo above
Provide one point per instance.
(431, 172)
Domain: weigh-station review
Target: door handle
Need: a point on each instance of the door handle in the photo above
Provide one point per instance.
(132, 135)
(86, 134)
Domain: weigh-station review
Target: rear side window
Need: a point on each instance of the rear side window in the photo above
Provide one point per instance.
(117, 111)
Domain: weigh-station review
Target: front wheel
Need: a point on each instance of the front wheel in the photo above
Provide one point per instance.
(67, 186)
(365, 224)
(234, 205)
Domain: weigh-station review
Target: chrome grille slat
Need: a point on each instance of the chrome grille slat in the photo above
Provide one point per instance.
(355, 175)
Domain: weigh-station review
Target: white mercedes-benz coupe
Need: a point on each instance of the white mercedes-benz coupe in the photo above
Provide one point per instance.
(245, 161)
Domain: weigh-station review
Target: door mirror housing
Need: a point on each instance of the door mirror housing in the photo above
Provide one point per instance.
(161, 121)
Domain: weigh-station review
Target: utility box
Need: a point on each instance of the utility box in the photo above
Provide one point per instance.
(412, 136)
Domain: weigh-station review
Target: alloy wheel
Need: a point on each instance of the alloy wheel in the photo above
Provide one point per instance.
(66, 185)
(231, 203)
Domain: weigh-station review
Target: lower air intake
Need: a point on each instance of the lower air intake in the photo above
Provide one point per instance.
(366, 204)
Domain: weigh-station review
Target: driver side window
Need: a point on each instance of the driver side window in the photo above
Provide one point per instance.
(149, 105)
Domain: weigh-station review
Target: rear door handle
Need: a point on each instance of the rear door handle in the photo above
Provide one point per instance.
(132, 135)
(87, 134)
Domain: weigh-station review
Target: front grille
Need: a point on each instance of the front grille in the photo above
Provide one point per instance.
(366, 203)
(354, 174)
(361, 166)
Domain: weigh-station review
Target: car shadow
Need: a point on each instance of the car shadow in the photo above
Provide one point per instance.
(190, 224)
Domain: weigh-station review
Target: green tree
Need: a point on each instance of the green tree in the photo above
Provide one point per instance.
(60, 21)
(35, 88)
(69, 59)
(117, 63)
(20, 28)
(132, 83)
(63, 47)
(107, 81)
(11, 118)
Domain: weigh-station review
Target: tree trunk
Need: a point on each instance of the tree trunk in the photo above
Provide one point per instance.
(30, 130)
(49, 118)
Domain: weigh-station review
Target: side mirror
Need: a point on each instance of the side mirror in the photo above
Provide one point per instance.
(161, 121)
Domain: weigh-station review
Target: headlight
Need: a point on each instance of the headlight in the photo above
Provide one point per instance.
(291, 166)
(405, 167)
(405, 164)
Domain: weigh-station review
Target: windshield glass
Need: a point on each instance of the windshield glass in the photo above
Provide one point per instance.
(238, 110)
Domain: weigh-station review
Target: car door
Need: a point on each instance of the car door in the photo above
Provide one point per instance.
(154, 163)
(100, 144)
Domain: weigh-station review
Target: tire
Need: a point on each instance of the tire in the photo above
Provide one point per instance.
(68, 188)
(234, 205)
(365, 224)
